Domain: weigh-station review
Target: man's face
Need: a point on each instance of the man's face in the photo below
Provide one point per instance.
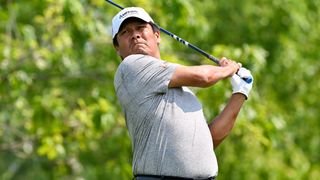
(137, 37)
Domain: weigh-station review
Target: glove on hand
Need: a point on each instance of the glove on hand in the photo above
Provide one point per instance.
(239, 85)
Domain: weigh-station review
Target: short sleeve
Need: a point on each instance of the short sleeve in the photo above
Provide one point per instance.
(146, 73)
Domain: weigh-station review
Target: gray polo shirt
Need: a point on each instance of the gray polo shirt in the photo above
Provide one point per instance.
(169, 133)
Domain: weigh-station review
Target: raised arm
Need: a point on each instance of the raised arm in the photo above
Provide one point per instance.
(204, 75)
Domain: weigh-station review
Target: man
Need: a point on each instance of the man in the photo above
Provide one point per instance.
(170, 136)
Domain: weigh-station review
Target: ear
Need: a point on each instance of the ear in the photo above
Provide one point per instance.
(157, 34)
(117, 49)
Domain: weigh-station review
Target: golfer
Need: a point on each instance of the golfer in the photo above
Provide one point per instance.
(170, 135)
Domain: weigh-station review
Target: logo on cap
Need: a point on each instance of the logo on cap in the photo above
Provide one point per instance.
(128, 13)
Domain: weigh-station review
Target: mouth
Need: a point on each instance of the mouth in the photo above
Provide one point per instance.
(138, 44)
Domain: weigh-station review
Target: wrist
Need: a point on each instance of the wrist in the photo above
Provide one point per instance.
(239, 96)
(228, 71)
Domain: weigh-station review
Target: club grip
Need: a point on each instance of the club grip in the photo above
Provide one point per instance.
(246, 79)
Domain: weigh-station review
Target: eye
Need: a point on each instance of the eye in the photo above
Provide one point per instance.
(142, 26)
(123, 32)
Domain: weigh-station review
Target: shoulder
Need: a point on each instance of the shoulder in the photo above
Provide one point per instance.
(133, 62)
(138, 61)
(138, 58)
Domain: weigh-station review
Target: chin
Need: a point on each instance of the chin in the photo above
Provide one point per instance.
(141, 52)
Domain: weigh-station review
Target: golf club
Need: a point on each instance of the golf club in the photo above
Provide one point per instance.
(210, 57)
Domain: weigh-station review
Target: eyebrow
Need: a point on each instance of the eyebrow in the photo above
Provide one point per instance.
(131, 20)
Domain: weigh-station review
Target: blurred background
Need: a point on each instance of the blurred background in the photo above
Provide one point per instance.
(59, 116)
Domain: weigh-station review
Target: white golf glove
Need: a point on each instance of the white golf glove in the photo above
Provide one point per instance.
(239, 85)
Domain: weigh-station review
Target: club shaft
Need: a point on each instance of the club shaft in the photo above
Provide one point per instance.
(117, 5)
(212, 58)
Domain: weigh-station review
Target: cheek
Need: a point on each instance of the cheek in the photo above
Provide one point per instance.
(123, 45)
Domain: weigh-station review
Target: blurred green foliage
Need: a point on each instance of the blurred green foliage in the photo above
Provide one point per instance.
(60, 119)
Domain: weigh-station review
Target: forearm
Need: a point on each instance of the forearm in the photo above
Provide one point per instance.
(216, 73)
(200, 76)
(221, 126)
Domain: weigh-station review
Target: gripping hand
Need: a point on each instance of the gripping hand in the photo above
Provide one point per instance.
(239, 85)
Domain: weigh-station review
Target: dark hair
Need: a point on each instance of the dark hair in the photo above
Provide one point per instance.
(155, 28)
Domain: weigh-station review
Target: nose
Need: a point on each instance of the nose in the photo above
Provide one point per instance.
(136, 35)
